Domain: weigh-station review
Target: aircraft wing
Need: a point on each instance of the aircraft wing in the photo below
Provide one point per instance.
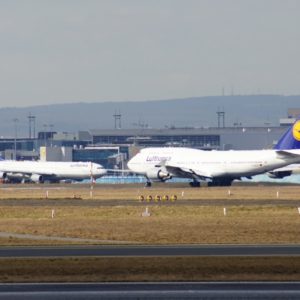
(187, 173)
(29, 173)
(285, 171)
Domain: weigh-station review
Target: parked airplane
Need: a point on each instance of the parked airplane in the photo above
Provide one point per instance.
(41, 171)
(219, 168)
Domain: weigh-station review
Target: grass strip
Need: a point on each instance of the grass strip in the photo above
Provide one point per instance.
(150, 269)
(166, 225)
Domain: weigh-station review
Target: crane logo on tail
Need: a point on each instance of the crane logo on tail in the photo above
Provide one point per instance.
(291, 139)
(296, 131)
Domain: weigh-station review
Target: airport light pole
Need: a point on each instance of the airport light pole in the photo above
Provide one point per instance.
(16, 133)
(51, 134)
(45, 129)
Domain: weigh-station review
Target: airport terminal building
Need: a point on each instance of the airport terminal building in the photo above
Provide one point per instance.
(113, 147)
(237, 138)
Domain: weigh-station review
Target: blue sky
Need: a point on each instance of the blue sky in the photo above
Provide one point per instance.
(62, 51)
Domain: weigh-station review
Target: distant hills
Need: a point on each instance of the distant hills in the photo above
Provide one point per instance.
(256, 110)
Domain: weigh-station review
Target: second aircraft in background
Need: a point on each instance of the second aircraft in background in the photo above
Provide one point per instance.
(48, 171)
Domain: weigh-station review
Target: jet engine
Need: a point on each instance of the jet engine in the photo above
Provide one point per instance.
(3, 175)
(158, 174)
(36, 178)
(279, 174)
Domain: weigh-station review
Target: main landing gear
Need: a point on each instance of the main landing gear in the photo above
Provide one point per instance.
(214, 182)
(220, 182)
(195, 183)
(148, 184)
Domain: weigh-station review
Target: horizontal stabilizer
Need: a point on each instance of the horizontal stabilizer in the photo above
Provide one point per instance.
(287, 154)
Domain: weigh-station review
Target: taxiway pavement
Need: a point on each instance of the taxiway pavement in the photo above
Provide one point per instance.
(150, 250)
(163, 290)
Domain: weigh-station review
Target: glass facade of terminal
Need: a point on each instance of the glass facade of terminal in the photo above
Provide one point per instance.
(198, 141)
(26, 145)
(107, 157)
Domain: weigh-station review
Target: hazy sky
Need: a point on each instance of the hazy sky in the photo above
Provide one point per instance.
(61, 51)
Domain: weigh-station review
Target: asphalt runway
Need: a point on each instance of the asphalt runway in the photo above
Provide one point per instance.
(175, 290)
(145, 250)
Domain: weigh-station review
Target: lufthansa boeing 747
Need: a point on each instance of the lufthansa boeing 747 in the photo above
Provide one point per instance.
(219, 168)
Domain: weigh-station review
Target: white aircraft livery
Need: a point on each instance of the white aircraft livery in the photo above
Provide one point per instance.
(41, 171)
(219, 168)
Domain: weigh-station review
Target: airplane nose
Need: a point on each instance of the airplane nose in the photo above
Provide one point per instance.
(102, 171)
(99, 171)
(129, 164)
(132, 165)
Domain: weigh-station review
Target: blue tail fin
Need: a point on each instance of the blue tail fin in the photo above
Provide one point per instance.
(291, 139)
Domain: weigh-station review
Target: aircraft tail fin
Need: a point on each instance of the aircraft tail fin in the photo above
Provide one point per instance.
(291, 139)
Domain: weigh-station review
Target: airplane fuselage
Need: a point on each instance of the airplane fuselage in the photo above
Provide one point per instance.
(210, 164)
(52, 171)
